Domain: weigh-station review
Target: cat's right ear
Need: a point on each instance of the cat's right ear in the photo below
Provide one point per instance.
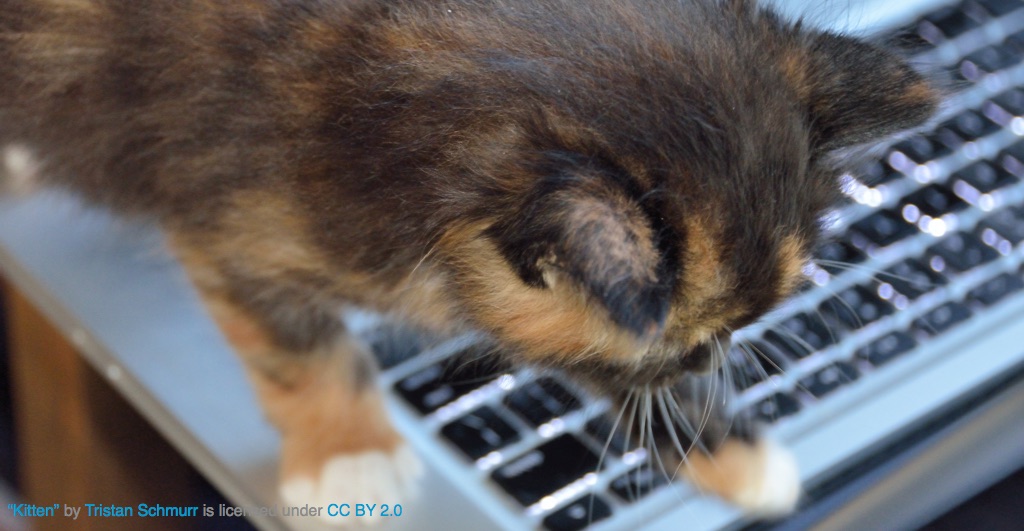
(856, 92)
(591, 233)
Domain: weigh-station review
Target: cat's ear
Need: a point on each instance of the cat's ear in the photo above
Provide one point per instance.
(857, 92)
(592, 234)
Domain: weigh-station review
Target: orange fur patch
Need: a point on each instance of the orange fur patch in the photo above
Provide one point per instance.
(791, 260)
(728, 472)
(558, 321)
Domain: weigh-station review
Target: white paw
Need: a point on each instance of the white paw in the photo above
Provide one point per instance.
(364, 478)
(774, 490)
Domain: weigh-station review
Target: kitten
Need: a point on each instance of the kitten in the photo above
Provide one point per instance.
(605, 187)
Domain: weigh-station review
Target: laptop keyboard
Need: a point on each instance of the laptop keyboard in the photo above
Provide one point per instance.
(930, 239)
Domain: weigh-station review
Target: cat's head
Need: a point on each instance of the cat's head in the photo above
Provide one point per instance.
(650, 177)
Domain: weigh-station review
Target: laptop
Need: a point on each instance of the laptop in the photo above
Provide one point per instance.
(912, 326)
(902, 396)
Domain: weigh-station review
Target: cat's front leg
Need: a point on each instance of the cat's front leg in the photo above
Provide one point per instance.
(317, 387)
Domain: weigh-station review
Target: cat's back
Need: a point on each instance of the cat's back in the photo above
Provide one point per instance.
(154, 107)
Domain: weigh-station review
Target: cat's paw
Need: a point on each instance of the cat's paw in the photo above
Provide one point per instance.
(762, 479)
(774, 488)
(371, 477)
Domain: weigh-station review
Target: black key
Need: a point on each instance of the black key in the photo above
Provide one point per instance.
(392, 345)
(994, 290)
(638, 483)
(884, 228)
(1007, 223)
(998, 8)
(599, 429)
(1012, 159)
(984, 177)
(541, 400)
(801, 335)
(480, 432)
(812, 331)
(1004, 107)
(947, 23)
(910, 278)
(833, 256)
(1011, 101)
(971, 125)
(933, 200)
(756, 362)
(920, 149)
(441, 383)
(1016, 41)
(546, 469)
(943, 318)
(887, 347)
(776, 407)
(988, 60)
(830, 378)
(770, 358)
(578, 514)
(875, 173)
(856, 307)
(959, 252)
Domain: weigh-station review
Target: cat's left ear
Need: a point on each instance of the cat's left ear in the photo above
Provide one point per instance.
(590, 233)
(857, 92)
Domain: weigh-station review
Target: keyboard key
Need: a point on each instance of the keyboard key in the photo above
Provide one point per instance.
(947, 23)
(943, 318)
(933, 200)
(919, 149)
(994, 290)
(875, 173)
(754, 362)
(480, 432)
(392, 345)
(541, 400)
(638, 483)
(998, 8)
(884, 228)
(986, 61)
(1007, 224)
(983, 177)
(829, 378)
(812, 330)
(599, 429)
(775, 407)
(856, 307)
(909, 278)
(1012, 159)
(887, 348)
(578, 514)
(441, 383)
(1003, 108)
(800, 336)
(959, 252)
(546, 469)
(1016, 41)
(835, 256)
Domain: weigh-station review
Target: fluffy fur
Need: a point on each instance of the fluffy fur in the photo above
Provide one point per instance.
(606, 187)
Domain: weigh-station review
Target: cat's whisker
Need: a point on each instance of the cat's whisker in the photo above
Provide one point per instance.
(670, 426)
(792, 336)
(847, 266)
(608, 442)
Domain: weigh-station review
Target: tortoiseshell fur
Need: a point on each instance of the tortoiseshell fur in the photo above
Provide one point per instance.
(605, 187)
